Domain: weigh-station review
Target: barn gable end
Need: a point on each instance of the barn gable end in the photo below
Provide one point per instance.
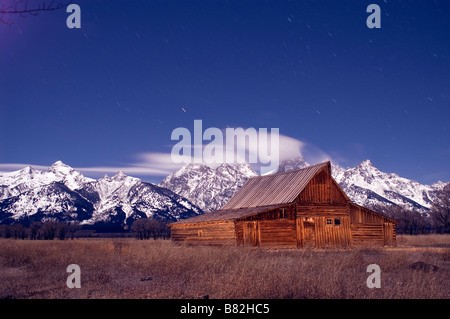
(322, 189)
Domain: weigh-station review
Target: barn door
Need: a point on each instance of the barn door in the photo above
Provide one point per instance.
(251, 233)
(388, 231)
(309, 232)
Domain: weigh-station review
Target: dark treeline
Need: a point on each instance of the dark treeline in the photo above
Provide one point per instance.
(440, 211)
(144, 228)
(415, 222)
(39, 231)
(410, 222)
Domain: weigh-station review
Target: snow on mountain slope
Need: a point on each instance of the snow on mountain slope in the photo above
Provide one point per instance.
(67, 175)
(292, 164)
(15, 183)
(132, 198)
(396, 189)
(54, 200)
(366, 185)
(64, 194)
(206, 187)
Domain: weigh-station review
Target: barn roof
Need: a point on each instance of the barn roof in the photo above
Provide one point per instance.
(227, 214)
(275, 189)
(260, 194)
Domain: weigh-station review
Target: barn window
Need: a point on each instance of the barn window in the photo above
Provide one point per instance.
(337, 222)
(329, 221)
(283, 213)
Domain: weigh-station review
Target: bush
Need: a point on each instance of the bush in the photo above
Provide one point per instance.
(440, 211)
(146, 228)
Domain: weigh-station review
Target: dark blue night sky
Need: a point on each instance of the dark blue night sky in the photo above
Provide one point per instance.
(108, 95)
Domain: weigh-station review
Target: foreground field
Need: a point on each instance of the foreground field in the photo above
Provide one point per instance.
(419, 267)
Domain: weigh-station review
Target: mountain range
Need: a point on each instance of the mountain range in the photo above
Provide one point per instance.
(64, 194)
(366, 185)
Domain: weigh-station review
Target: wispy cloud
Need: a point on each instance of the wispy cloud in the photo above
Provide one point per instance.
(150, 164)
(8, 167)
(314, 154)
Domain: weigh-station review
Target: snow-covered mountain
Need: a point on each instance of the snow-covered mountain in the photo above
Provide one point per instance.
(18, 182)
(64, 194)
(206, 187)
(365, 184)
(292, 164)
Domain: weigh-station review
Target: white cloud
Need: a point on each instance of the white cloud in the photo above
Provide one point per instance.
(151, 164)
(314, 154)
(8, 167)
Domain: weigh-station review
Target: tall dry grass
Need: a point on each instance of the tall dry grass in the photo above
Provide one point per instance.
(431, 240)
(128, 268)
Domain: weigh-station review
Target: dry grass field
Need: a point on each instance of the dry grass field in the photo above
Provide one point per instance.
(419, 267)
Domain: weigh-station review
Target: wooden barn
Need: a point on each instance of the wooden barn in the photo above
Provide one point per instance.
(302, 208)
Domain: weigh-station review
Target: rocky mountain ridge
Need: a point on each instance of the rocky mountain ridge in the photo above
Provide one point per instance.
(64, 194)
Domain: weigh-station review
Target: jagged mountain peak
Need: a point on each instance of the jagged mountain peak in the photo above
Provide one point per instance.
(120, 176)
(28, 178)
(61, 172)
(191, 167)
(236, 168)
(195, 165)
(59, 166)
(365, 164)
(28, 170)
(199, 169)
(366, 179)
(208, 188)
(439, 185)
(292, 164)
(64, 194)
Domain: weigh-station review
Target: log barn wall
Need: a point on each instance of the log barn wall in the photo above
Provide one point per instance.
(273, 228)
(323, 226)
(277, 233)
(370, 228)
(213, 233)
